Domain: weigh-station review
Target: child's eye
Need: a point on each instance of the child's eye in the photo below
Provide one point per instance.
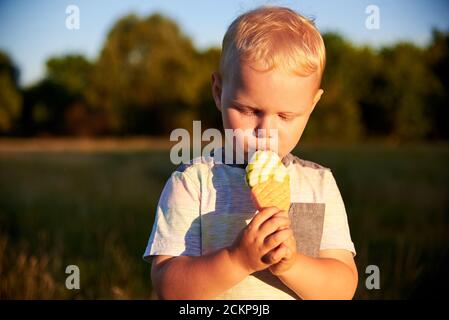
(249, 113)
(286, 118)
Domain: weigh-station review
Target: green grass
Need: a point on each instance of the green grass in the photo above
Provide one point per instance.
(96, 210)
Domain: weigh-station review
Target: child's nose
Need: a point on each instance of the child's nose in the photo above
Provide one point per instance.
(267, 134)
(265, 127)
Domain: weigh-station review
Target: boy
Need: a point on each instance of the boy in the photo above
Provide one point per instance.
(207, 241)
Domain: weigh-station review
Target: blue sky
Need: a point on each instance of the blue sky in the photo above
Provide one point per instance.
(31, 31)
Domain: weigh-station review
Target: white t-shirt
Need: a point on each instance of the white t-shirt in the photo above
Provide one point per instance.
(206, 203)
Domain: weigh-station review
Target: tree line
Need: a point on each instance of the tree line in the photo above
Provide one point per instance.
(149, 79)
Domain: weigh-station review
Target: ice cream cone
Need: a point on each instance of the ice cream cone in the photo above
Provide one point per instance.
(269, 181)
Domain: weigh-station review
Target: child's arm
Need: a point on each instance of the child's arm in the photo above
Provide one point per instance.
(331, 276)
(207, 276)
(192, 278)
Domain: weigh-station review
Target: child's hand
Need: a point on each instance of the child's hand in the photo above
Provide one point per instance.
(266, 231)
(287, 250)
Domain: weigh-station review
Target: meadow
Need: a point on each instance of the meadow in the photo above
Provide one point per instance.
(95, 210)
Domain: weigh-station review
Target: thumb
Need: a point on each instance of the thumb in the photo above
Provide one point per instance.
(287, 252)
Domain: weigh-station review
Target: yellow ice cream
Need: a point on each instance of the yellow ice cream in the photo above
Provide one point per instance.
(269, 181)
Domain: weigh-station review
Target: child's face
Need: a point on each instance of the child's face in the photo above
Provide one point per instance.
(255, 100)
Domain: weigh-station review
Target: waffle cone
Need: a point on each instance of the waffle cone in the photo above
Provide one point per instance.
(272, 193)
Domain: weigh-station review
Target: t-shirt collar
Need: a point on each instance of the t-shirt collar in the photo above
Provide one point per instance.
(220, 156)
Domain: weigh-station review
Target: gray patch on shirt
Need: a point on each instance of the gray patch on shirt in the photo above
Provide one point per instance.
(307, 224)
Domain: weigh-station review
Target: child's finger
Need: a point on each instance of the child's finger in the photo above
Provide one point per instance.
(277, 238)
(260, 217)
(288, 252)
(282, 213)
(273, 224)
(277, 254)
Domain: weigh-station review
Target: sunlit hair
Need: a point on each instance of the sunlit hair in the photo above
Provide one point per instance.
(273, 37)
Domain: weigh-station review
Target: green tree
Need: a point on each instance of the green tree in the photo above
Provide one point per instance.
(10, 96)
(146, 76)
(71, 72)
(337, 115)
(408, 83)
(437, 56)
(206, 110)
(51, 105)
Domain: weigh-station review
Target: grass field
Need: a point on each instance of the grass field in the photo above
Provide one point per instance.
(95, 210)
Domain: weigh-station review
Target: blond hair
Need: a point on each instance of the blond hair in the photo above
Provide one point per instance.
(274, 37)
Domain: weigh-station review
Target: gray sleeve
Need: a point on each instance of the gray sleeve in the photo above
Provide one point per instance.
(176, 230)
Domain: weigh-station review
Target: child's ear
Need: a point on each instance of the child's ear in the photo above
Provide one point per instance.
(317, 97)
(216, 89)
